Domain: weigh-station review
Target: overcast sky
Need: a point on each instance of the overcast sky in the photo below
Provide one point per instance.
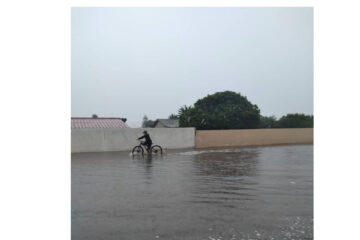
(131, 62)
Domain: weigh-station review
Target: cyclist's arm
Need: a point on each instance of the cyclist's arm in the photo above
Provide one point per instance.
(141, 137)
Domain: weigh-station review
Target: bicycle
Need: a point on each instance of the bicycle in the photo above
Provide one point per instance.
(139, 149)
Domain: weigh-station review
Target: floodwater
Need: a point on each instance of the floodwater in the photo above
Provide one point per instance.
(244, 193)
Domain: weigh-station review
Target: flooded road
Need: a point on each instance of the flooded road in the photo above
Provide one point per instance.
(245, 193)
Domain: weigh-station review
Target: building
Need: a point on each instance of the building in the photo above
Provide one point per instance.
(148, 124)
(84, 122)
(166, 123)
(161, 123)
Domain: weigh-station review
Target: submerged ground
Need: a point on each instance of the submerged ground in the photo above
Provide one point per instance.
(245, 193)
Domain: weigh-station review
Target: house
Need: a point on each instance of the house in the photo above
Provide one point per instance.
(166, 123)
(84, 122)
(148, 124)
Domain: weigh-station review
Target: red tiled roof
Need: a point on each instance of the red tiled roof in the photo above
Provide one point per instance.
(98, 123)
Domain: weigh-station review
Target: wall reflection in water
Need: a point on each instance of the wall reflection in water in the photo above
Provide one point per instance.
(246, 193)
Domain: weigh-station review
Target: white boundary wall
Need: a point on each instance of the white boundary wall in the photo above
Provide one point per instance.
(124, 139)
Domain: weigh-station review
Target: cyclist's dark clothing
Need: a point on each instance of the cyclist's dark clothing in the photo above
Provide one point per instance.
(148, 141)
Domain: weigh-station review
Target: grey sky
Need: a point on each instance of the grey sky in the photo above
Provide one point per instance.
(128, 62)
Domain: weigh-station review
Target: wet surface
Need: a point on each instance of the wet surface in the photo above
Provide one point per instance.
(245, 193)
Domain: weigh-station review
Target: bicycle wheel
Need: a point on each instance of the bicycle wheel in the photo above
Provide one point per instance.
(156, 149)
(138, 150)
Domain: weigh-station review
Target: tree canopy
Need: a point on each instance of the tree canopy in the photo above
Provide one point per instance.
(173, 116)
(296, 120)
(221, 110)
(267, 122)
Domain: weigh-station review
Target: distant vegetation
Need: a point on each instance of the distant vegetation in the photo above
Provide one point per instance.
(222, 110)
(230, 110)
(267, 122)
(295, 120)
(172, 116)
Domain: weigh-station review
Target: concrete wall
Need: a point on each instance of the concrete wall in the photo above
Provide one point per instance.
(252, 137)
(101, 140)
(124, 139)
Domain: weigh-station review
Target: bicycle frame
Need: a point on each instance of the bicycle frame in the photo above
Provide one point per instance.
(142, 144)
(155, 148)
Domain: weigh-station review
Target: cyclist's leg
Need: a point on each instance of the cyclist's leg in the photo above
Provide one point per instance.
(148, 146)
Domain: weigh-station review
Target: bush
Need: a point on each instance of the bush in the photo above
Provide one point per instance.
(295, 121)
(267, 122)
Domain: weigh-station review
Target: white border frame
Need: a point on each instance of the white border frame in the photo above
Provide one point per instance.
(35, 61)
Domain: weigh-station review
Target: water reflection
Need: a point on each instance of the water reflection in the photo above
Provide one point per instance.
(227, 164)
(212, 194)
(224, 178)
(146, 162)
(148, 168)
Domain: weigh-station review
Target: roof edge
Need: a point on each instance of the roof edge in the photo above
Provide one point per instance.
(95, 118)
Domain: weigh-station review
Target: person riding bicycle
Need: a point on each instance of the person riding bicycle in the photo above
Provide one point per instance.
(148, 141)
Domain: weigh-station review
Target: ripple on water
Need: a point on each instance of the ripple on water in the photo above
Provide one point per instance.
(246, 193)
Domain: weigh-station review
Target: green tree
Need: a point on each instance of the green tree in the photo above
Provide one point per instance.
(297, 120)
(173, 116)
(267, 122)
(222, 110)
(193, 117)
(183, 109)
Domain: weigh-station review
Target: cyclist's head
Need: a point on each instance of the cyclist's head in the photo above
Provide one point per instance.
(145, 132)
